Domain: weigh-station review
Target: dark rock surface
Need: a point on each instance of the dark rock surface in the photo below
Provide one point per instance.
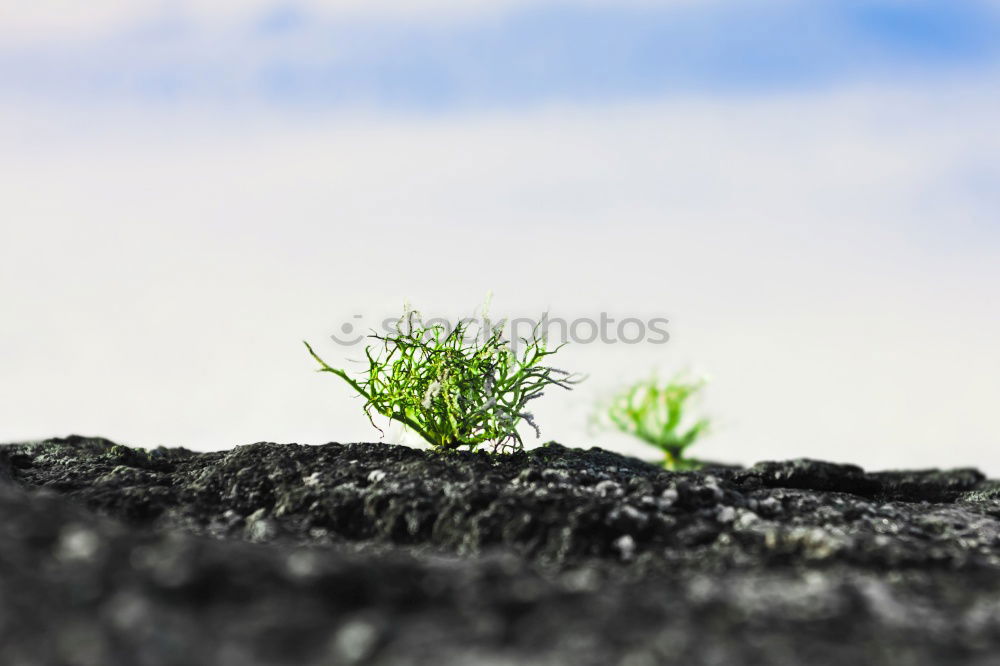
(377, 554)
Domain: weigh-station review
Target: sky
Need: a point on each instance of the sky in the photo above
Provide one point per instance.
(808, 191)
(447, 56)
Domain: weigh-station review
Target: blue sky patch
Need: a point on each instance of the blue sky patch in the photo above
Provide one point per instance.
(528, 56)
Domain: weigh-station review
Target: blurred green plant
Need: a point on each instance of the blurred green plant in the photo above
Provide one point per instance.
(654, 411)
(461, 386)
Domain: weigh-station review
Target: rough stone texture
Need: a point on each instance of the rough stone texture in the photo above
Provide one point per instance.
(377, 554)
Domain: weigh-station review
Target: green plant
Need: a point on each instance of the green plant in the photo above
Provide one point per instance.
(460, 386)
(654, 411)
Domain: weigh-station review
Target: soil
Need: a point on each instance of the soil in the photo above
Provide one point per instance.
(378, 554)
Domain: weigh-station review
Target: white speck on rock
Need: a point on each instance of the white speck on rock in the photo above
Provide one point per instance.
(260, 527)
(631, 515)
(301, 563)
(355, 641)
(312, 480)
(716, 491)
(582, 580)
(667, 498)
(625, 545)
(375, 476)
(609, 488)
(769, 505)
(725, 514)
(77, 543)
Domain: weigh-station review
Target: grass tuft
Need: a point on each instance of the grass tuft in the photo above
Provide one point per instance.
(456, 387)
(653, 410)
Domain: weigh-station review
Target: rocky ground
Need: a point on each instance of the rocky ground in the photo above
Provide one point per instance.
(377, 554)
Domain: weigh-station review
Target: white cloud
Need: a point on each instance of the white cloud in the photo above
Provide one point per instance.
(26, 20)
(30, 21)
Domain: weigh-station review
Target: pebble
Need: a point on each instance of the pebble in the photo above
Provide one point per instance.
(609, 489)
(625, 545)
(725, 514)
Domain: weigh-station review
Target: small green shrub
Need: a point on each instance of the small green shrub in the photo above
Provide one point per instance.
(456, 388)
(654, 411)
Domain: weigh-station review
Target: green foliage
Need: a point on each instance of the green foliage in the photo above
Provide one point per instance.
(462, 387)
(654, 411)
